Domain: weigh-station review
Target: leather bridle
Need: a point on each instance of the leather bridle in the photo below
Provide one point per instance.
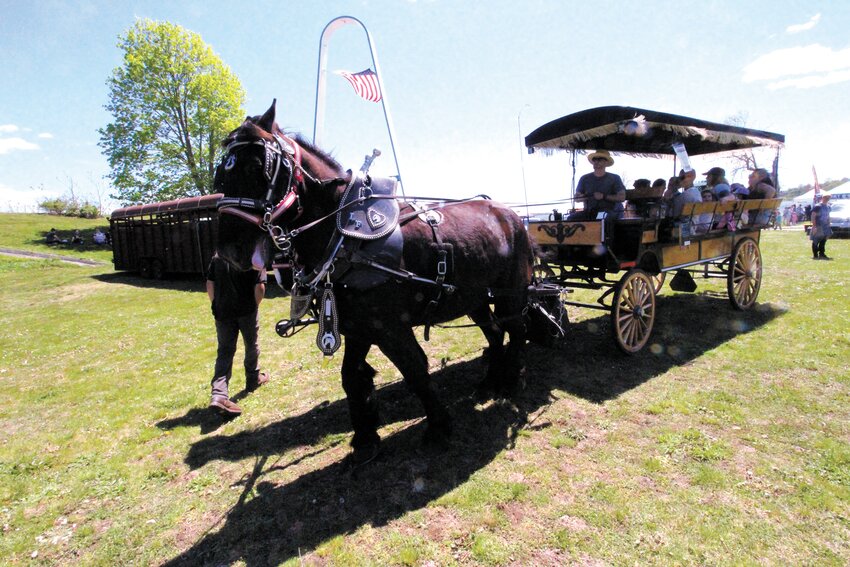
(280, 152)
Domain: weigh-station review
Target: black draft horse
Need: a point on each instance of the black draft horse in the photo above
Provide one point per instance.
(288, 187)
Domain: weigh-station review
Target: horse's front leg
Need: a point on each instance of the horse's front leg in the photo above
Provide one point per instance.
(359, 386)
(401, 347)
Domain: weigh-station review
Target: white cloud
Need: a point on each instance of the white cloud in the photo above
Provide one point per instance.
(802, 67)
(812, 81)
(8, 145)
(21, 200)
(46, 135)
(797, 28)
(7, 128)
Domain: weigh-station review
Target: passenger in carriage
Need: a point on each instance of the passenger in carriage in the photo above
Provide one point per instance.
(705, 221)
(742, 194)
(727, 220)
(600, 190)
(715, 180)
(641, 185)
(761, 187)
(689, 194)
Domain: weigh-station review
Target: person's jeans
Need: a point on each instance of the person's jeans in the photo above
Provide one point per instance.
(819, 248)
(227, 332)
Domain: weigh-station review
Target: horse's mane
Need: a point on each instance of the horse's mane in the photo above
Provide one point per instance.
(323, 156)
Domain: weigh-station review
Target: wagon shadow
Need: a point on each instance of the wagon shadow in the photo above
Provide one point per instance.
(686, 327)
(282, 521)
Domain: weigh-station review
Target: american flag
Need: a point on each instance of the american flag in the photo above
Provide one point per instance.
(365, 84)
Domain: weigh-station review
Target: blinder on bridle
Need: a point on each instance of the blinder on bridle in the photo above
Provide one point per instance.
(278, 153)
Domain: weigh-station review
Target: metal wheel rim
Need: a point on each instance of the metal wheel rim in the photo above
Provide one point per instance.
(634, 312)
(744, 278)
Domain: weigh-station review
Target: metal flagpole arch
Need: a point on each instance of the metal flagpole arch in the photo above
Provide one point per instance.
(319, 117)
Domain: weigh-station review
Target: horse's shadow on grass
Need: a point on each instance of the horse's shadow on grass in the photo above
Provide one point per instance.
(282, 521)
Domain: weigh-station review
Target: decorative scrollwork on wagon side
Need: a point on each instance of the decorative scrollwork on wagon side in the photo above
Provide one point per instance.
(561, 232)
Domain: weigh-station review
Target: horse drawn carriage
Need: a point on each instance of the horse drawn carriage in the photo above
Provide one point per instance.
(645, 245)
(371, 266)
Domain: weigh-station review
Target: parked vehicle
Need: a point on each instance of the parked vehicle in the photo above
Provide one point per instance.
(839, 218)
(172, 237)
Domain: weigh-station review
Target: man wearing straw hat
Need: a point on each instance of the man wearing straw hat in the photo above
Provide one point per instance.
(600, 190)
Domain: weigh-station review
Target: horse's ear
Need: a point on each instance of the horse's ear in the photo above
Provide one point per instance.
(267, 119)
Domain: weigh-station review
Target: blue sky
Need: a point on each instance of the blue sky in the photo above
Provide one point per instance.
(464, 80)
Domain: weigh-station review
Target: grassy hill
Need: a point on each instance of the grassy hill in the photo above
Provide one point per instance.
(725, 442)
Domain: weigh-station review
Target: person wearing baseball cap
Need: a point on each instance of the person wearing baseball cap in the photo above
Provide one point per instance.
(715, 180)
(600, 190)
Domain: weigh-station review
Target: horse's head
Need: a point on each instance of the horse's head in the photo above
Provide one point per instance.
(265, 177)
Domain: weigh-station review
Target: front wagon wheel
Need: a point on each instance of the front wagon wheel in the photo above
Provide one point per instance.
(743, 280)
(633, 311)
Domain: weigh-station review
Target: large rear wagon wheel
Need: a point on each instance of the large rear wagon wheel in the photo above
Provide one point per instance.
(743, 279)
(633, 311)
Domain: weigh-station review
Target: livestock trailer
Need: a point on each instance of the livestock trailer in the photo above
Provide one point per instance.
(172, 237)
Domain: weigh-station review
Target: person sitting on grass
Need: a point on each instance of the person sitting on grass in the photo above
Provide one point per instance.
(52, 238)
(98, 237)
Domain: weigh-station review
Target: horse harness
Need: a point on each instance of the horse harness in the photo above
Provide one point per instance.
(368, 234)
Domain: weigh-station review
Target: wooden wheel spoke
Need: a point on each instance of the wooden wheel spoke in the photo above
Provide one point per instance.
(744, 274)
(633, 311)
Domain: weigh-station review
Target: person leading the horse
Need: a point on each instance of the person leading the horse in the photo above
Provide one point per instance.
(600, 190)
(235, 297)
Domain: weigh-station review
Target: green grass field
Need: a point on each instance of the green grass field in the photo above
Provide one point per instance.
(725, 442)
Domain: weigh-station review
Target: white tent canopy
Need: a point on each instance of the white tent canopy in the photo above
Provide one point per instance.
(806, 198)
(843, 189)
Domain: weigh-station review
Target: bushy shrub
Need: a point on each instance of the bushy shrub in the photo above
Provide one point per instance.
(69, 208)
(89, 211)
(53, 206)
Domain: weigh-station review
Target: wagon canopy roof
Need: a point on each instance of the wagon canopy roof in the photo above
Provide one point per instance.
(187, 204)
(636, 131)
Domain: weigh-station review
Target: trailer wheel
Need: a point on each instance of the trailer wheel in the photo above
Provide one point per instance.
(157, 270)
(145, 268)
(633, 311)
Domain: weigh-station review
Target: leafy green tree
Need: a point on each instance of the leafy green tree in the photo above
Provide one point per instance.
(172, 101)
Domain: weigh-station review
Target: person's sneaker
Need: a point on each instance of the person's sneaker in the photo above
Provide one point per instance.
(825, 257)
(262, 378)
(225, 406)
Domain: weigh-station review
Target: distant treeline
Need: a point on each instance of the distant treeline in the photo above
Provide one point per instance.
(825, 186)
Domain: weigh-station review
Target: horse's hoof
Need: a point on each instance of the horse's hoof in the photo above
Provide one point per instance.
(362, 455)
